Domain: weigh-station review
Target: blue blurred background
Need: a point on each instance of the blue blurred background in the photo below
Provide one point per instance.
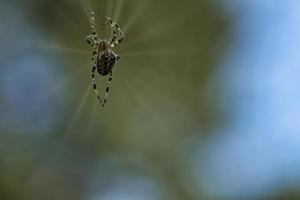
(205, 101)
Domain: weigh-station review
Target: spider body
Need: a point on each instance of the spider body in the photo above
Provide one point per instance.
(106, 61)
(103, 58)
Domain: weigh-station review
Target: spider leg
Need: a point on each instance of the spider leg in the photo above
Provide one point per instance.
(92, 41)
(108, 21)
(120, 38)
(94, 76)
(118, 35)
(116, 55)
(93, 38)
(107, 89)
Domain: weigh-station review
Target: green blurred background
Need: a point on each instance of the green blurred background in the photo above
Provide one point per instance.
(167, 107)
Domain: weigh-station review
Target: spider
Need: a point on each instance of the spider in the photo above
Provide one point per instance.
(103, 58)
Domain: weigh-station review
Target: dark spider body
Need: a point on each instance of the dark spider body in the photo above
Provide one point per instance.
(103, 58)
(106, 61)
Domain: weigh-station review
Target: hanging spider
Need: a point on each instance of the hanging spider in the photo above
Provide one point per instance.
(103, 58)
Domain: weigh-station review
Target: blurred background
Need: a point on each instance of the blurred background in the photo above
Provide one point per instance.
(204, 104)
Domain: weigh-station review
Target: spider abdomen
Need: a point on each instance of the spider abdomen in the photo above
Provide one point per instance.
(105, 62)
